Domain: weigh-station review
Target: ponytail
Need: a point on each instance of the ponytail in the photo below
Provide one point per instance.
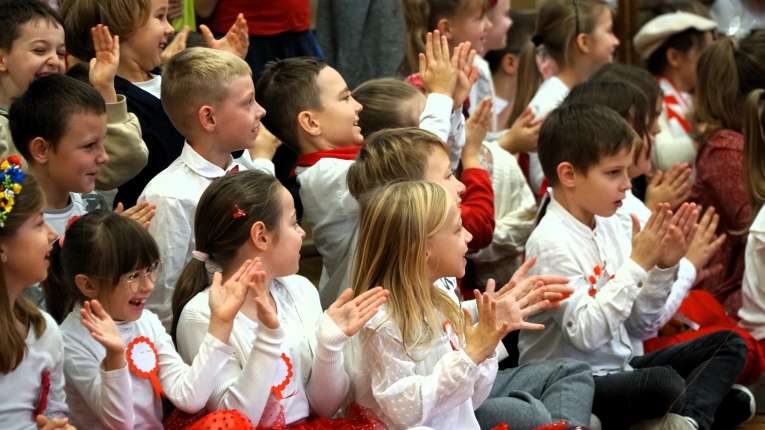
(529, 80)
(754, 150)
(193, 280)
(60, 292)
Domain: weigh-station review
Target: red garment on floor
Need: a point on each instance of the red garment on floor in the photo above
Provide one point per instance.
(264, 17)
(355, 418)
(478, 207)
(218, 420)
(703, 309)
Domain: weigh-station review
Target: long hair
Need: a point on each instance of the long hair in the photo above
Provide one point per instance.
(220, 235)
(30, 201)
(397, 221)
(754, 150)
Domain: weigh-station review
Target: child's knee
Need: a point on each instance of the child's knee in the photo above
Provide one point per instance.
(664, 389)
(569, 366)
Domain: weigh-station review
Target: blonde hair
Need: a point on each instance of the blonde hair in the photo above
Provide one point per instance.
(727, 72)
(123, 17)
(391, 155)
(754, 150)
(422, 16)
(382, 100)
(197, 77)
(558, 24)
(396, 223)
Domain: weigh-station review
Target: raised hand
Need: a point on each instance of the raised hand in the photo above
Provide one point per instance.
(103, 67)
(481, 340)
(174, 10)
(671, 187)
(523, 134)
(476, 128)
(53, 424)
(515, 305)
(555, 286)
(226, 299)
(104, 331)
(142, 213)
(265, 146)
(682, 230)
(467, 73)
(705, 244)
(646, 243)
(177, 45)
(351, 315)
(437, 71)
(236, 41)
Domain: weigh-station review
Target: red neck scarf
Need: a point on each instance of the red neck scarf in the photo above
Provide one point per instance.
(308, 160)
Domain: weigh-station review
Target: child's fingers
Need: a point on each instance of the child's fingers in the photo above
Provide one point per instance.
(533, 308)
(371, 298)
(242, 269)
(490, 285)
(526, 266)
(718, 242)
(445, 57)
(344, 298)
(530, 326)
(467, 324)
(636, 224)
(217, 277)
(423, 63)
(470, 57)
(437, 47)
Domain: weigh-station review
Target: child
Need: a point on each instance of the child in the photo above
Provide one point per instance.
(31, 46)
(143, 30)
(210, 98)
(671, 44)
(495, 38)
(59, 125)
(410, 235)
(579, 37)
(251, 215)
(728, 70)
(105, 267)
(586, 151)
(32, 357)
(313, 113)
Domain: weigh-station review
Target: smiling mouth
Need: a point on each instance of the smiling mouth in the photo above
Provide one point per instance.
(138, 303)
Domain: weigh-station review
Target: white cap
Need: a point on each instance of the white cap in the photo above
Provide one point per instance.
(656, 31)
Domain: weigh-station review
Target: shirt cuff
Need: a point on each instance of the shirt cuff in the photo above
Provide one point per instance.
(116, 113)
(261, 164)
(275, 336)
(329, 335)
(217, 345)
(113, 374)
(438, 105)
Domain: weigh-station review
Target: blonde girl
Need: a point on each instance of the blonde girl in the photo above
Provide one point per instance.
(287, 363)
(32, 356)
(578, 36)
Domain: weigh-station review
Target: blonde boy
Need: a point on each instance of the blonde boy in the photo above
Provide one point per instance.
(210, 98)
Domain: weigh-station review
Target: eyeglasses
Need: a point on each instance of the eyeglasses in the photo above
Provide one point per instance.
(576, 18)
(137, 281)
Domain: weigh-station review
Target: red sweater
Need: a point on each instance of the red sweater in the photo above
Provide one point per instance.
(264, 17)
(478, 207)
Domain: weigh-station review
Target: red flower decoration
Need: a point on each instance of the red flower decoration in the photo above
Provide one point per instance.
(14, 159)
(72, 220)
(238, 213)
(414, 80)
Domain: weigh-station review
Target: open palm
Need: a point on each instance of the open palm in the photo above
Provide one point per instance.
(236, 41)
(227, 299)
(351, 315)
(102, 327)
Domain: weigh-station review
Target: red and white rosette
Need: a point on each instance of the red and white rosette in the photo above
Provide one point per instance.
(143, 360)
(451, 333)
(284, 374)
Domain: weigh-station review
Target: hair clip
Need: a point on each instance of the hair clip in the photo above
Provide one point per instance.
(11, 178)
(238, 213)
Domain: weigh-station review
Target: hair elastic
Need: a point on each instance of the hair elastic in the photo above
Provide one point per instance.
(537, 40)
(201, 256)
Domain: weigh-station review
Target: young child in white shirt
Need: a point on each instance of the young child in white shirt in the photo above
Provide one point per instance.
(59, 126)
(119, 360)
(32, 356)
(313, 112)
(210, 98)
(288, 361)
(620, 289)
(420, 361)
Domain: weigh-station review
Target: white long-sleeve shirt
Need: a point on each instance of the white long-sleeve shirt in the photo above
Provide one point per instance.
(613, 296)
(484, 87)
(120, 399)
(752, 312)
(515, 210)
(548, 97)
(331, 209)
(22, 388)
(440, 388)
(176, 192)
(307, 337)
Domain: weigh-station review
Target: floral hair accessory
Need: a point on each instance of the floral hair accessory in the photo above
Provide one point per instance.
(238, 213)
(11, 178)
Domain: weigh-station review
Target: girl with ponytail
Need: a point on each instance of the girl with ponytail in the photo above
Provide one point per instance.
(288, 360)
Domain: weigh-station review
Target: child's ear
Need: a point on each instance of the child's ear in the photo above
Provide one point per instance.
(86, 286)
(3, 61)
(509, 64)
(39, 149)
(444, 27)
(206, 118)
(566, 174)
(582, 42)
(259, 236)
(307, 121)
(674, 58)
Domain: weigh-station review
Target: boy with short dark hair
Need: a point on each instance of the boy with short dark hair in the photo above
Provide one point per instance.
(619, 288)
(31, 46)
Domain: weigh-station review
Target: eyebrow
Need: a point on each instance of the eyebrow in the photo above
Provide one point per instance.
(344, 92)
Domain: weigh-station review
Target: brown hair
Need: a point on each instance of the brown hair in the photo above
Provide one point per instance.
(754, 150)
(95, 245)
(558, 24)
(682, 42)
(396, 222)
(422, 16)
(391, 155)
(123, 17)
(636, 76)
(727, 71)
(220, 235)
(28, 202)
(691, 6)
(581, 134)
(382, 100)
(14, 14)
(286, 88)
(196, 77)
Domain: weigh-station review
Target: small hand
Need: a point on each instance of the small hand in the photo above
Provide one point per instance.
(672, 187)
(53, 424)
(476, 128)
(103, 67)
(104, 331)
(682, 230)
(266, 145)
(351, 315)
(523, 134)
(705, 244)
(646, 243)
(177, 45)
(227, 299)
(467, 73)
(517, 304)
(437, 73)
(551, 282)
(142, 213)
(174, 10)
(236, 41)
(481, 340)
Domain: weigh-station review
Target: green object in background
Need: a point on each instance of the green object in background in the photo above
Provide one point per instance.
(188, 17)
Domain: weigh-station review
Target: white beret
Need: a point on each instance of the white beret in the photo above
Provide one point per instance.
(656, 31)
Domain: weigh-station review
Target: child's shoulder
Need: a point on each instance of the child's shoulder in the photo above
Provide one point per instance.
(325, 169)
(302, 286)
(170, 183)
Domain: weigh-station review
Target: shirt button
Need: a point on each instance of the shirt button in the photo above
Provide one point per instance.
(569, 324)
(640, 284)
(594, 233)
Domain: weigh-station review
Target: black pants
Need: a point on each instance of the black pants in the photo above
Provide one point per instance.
(708, 366)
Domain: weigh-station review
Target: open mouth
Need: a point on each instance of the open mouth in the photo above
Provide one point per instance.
(162, 46)
(138, 303)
